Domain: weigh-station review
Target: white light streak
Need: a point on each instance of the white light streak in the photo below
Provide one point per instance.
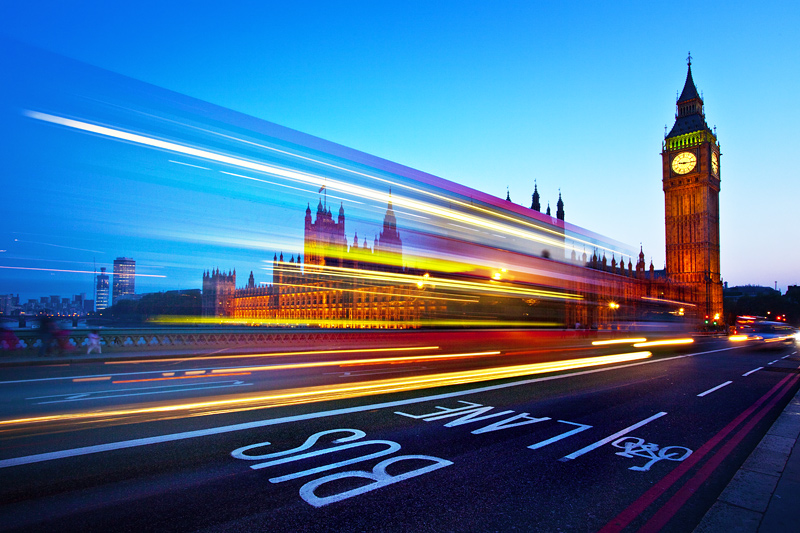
(187, 164)
(319, 181)
(79, 271)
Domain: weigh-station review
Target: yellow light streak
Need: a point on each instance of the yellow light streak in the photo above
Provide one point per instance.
(357, 362)
(104, 378)
(738, 338)
(419, 284)
(664, 300)
(327, 393)
(281, 354)
(619, 341)
(392, 277)
(666, 342)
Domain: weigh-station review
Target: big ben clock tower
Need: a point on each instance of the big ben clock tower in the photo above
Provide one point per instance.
(691, 177)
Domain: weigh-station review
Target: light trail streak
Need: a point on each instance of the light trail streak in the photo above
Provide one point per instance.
(359, 362)
(327, 393)
(664, 300)
(79, 271)
(187, 164)
(319, 181)
(392, 277)
(181, 377)
(55, 246)
(618, 341)
(667, 342)
(282, 354)
(359, 291)
(336, 323)
(391, 183)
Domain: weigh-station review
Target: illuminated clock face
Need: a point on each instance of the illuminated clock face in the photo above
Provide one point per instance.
(684, 162)
(715, 163)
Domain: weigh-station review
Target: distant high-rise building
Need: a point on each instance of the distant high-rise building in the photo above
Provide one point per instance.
(102, 289)
(124, 277)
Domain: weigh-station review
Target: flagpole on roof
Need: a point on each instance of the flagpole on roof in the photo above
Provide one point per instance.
(325, 188)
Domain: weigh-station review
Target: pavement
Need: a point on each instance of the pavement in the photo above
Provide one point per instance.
(762, 497)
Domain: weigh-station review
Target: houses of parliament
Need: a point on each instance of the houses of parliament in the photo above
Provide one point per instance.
(337, 284)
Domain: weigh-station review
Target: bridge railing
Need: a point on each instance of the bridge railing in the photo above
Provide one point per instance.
(149, 339)
(202, 339)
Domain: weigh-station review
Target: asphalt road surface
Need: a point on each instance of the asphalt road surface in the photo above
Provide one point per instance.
(422, 438)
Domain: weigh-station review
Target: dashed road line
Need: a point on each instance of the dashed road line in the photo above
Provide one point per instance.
(709, 391)
(773, 362)
(754, 413)
(752, 371)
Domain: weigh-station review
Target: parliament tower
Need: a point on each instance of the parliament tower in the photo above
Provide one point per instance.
(691, 180)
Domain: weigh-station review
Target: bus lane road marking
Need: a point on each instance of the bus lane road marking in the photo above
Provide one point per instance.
(377, 475)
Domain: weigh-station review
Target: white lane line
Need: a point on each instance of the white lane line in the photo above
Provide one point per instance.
(773, 362)
(754, 370)
(788, 355)
(709, 391)
(608, 439)
(120, 445)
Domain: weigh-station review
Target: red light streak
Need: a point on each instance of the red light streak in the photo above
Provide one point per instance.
(183, 377)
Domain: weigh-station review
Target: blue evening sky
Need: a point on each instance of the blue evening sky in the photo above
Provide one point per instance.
(574, 95)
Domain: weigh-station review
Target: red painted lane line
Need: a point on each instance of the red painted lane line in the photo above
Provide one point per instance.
(645, 500)
(663, 515)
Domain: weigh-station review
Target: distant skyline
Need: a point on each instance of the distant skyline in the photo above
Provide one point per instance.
(574, 96)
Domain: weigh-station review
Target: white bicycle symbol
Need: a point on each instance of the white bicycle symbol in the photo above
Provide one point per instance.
(636, 447)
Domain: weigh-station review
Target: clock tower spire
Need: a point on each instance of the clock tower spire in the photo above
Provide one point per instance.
(691, 182)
